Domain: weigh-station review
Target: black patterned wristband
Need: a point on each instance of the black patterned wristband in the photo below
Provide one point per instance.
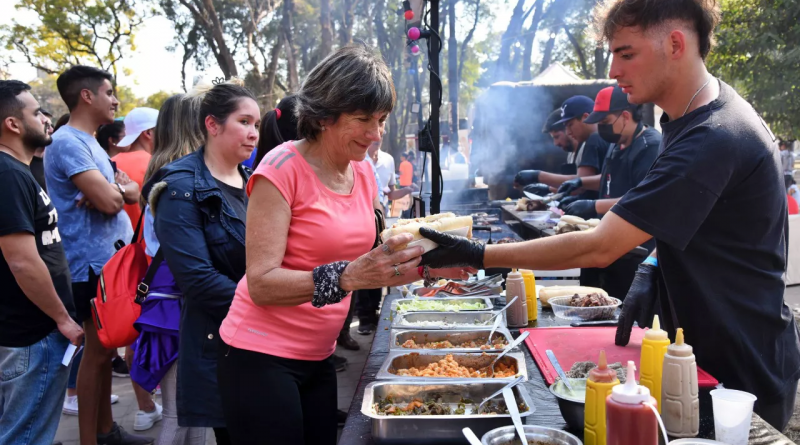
(326, 284)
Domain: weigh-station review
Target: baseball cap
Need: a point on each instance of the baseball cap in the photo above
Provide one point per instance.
(138, 120)
(551, 124)
(609, 100)
(575, 106)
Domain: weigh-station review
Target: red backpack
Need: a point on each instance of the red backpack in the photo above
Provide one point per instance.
(121, 280)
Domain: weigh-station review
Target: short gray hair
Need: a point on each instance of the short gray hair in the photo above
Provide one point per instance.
(352, 79)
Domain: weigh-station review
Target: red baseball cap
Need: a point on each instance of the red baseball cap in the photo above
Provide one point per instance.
(609, 100)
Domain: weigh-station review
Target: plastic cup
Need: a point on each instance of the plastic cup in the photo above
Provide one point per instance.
(733, 412)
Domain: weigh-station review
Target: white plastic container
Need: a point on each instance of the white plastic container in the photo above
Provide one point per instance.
(733, 412)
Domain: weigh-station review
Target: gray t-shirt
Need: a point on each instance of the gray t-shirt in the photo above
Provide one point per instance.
(88, 235)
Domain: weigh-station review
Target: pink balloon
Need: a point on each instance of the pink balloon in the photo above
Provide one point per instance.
(414, 33)
(415, 50)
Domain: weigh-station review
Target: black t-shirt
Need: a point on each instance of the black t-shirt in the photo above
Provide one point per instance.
(625, 168)
(594, 152)
(237, 198)
(716, 204)
(37, 169)
(27, 208)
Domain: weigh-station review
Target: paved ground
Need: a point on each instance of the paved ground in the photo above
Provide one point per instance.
(125, 410)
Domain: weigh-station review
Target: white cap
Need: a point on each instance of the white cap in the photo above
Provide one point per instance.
(137, 121)
(630, 393)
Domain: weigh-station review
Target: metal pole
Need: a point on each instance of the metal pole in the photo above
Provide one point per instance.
(434, 49)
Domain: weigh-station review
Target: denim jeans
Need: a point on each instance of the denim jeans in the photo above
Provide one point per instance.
(32, 384)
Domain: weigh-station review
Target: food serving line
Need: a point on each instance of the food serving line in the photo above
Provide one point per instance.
(380, 378)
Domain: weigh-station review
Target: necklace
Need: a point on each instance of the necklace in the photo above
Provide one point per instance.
(695, 95)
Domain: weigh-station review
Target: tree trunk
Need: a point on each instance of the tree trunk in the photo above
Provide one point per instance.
(452, 71)
(502, 68)
(346, 28)
(272, 72)
(291, 58)
(600, 62)
(465, 44)
(530, 38)
(326, 37)
(224, 57)
(576, 45)
(548, 52)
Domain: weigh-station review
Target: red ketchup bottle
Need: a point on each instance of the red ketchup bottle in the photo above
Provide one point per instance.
(628, 420)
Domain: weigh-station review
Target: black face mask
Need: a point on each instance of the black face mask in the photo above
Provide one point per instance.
(606, 131)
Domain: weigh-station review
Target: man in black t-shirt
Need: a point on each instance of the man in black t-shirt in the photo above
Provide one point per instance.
(36, 308)
(714, 200)
(587, 153)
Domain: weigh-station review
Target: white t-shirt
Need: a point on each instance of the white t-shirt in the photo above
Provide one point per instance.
(385, 170)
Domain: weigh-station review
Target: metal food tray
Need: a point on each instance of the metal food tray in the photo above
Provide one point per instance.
(402, 430)
(463, 320)
(405, 359)
(486, 302)
(400, 336)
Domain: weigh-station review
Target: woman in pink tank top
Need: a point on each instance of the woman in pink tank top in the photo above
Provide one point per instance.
(309, 244)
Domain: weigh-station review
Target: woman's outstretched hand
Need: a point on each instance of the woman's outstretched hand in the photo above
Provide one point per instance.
(384, 266)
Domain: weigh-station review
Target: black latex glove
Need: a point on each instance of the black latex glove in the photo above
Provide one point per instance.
(526, 177)
(567, 200)
(538, 189)
(583, 208)
(639, 304)
(453, 251)
(570, 186)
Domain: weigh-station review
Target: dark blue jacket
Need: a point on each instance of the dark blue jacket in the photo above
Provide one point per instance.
(203, 244)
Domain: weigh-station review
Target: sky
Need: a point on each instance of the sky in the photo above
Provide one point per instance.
(154, 68)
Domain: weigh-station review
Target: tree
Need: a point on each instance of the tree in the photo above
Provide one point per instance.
(71, 32)
(758, 53)
(157, 99)
(44, 89)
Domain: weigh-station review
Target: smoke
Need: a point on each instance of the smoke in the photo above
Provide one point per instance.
(507, 135)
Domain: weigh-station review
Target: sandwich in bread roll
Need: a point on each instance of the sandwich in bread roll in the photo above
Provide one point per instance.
(443, 222)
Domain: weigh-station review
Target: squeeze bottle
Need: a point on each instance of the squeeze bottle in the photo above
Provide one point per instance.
(654, 347)
(628, 420)
(530, 294)
(598, 386)
(680, 406)
(517, 313)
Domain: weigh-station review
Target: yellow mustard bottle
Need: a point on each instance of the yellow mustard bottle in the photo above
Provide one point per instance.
(598, 386)
(530, 294)
(651, 363)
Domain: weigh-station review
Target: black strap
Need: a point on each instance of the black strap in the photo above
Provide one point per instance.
(380, 226)
(138, 228)
(144, 287)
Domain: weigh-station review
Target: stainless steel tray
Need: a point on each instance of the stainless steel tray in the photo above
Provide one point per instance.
(456, 320)
(487, 303)
(405, 359)
(436, 429)
(400, 336)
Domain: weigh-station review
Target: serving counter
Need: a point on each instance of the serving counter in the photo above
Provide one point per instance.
(358, 429)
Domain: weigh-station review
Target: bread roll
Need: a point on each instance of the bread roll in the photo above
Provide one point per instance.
(437, 222)
(571, 219)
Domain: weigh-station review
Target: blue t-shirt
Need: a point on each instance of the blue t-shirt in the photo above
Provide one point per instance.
(88, 235)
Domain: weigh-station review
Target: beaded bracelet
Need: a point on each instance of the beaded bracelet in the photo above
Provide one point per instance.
(326, 284)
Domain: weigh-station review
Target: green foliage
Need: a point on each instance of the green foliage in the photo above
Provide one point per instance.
(758, 53)
(45, 91)
(156, 99)
(69, 32)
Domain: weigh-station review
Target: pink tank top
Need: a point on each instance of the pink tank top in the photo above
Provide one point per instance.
(325, 227)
